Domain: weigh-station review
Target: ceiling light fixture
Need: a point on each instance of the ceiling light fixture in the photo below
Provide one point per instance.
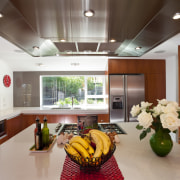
(176, 16)
(1, 15)
(63, 40)
(89, 13)
(35, 47)
(138, 48)
(112, 40)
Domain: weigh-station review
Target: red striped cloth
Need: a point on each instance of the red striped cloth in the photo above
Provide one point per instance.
(108, 171)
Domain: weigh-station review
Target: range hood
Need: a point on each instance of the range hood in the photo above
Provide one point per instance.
(59, 27)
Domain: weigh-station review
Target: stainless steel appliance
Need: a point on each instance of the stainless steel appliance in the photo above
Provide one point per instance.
(2, 127)
(125, 91)
(106, 127)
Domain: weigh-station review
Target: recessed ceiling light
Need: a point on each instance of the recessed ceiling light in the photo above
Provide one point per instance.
(89, 13)
(35, 47)
(63, 40)
(138, 47)
(112, 40)
(1, 15)
(176, 16)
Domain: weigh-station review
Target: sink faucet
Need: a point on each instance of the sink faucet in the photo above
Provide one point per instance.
(72, 101)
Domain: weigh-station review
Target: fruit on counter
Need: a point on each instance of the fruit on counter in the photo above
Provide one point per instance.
(113, 137)
(99, 145)
(116, 139)
(87, 138)
(71, 150)
(80, 140)
(88, 153)
(63, 138)
(90, 150)
(105, 140)
(81, 150)
(83, 142)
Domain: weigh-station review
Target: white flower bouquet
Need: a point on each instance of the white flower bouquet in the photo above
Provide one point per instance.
(165, 115)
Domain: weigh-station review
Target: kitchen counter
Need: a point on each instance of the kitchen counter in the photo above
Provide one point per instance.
(134, 157)
(10, 113)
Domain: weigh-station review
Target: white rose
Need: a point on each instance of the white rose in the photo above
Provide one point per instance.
(170, 121)
(157, 110)
(135, 110)
(162, 102)
(173, 103)
(144, 105)
(145, 119)
(169, 108)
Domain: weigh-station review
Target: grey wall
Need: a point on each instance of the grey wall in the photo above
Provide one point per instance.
(26, 90)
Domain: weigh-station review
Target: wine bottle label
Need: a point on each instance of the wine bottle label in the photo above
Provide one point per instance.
(37, 142)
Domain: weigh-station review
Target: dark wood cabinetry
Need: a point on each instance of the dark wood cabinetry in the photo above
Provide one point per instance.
(18, 123)
(153, 70)
(62, 118)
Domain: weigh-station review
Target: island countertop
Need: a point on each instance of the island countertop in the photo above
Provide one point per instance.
(134, 157)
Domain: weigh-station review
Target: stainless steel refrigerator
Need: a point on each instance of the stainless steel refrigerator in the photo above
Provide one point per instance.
(125, 91)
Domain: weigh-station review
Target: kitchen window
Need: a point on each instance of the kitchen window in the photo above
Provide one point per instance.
(72, 91)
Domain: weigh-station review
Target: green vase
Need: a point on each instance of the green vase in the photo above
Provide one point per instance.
(161, 143)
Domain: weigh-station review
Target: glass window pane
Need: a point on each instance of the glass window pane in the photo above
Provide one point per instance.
(60, 90)
(97, 101)
(95, 85)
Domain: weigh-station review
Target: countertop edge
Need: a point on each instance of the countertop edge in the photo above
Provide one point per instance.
(13, 112)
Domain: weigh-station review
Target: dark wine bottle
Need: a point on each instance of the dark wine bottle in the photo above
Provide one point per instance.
(36, 129)
(38, 144)
(45, 134)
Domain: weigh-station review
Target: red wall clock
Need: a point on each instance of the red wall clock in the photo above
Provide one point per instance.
(7, 80)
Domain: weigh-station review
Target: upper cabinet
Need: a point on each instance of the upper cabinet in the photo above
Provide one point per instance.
(153, 70)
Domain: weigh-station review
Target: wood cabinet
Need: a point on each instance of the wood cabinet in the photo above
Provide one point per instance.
(61, 118)
(14, 126)
(153, 70)
(22, 121)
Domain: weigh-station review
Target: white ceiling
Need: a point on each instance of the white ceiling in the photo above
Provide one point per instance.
(21, 61)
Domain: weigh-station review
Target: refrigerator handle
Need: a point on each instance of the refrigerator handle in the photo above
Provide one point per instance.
(126, 99)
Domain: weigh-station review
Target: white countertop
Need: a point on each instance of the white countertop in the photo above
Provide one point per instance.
(10, 113)
(134, 157)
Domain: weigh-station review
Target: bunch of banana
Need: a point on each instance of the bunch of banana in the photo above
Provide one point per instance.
(102, 141)
(72, 151)
(83, 142)
(81, 148)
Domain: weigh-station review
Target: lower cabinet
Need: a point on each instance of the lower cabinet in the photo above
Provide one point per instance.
(22, 121)
(61, 118)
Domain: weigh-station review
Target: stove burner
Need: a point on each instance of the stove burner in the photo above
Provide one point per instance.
(113, 128)
(106, 127)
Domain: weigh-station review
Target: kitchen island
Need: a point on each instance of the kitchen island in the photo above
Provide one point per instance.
(134, 157)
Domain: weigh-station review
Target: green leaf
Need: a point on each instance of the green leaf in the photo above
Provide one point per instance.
(139, 127)
(143, 135)
(148, 130)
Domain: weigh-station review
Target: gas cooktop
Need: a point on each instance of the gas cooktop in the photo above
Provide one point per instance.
(72, 128)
